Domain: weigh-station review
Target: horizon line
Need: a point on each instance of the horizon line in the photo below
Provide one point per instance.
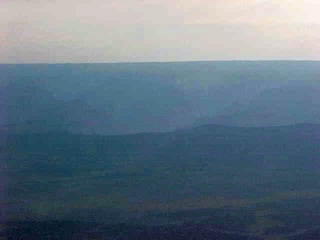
(164, 62)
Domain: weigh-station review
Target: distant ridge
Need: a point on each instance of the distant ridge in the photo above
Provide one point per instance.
(116, 99)
(213, 126)
(272, 107)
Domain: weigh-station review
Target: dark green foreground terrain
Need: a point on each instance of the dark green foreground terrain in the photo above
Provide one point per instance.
(211, 181)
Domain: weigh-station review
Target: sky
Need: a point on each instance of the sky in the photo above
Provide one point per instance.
(59, 31)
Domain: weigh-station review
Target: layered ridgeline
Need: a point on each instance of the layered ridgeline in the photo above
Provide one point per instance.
(132, 98)
(242, 181)
(262, 180)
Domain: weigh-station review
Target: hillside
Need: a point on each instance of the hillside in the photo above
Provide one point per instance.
(70, 176)
(272, 107)
(159, 97)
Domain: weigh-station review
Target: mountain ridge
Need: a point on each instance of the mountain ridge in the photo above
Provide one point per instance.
(130, 98)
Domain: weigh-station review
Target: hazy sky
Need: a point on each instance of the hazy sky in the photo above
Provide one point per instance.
(158, 30)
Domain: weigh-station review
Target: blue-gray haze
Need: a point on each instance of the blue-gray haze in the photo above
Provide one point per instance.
(144, 97)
